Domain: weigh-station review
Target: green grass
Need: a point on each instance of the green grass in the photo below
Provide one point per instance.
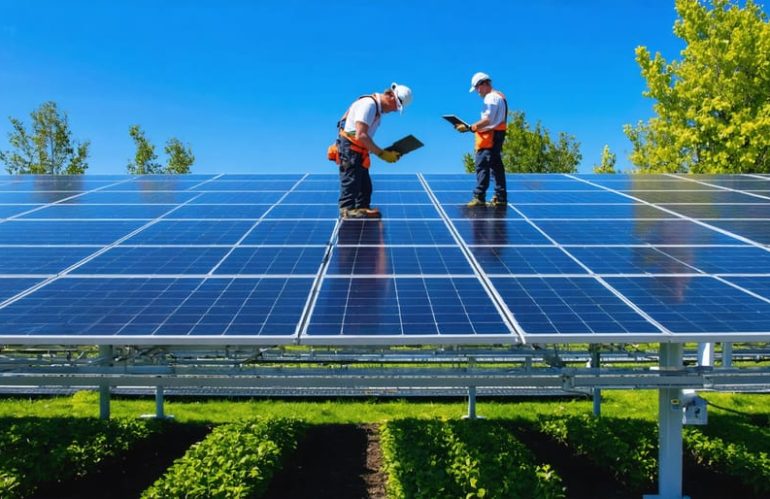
(642, 404)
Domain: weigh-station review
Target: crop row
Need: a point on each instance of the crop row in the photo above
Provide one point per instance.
(33, 451)
(469, 459)
(234, 460)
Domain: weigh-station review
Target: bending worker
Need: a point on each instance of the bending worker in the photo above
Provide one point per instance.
(354, 143)
(490, 135)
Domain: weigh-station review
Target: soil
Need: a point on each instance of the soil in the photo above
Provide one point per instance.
(333, 461)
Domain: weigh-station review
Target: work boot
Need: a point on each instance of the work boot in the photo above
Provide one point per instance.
(476, 203)
(371, 212)
(354, 213)
(498, 203)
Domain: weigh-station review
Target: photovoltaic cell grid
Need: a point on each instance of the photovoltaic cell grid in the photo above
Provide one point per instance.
(263, 259)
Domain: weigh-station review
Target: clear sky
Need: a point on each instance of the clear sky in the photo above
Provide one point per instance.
(258, 86)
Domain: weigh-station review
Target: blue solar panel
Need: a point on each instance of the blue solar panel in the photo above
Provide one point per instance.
(498, 232)
(69, 232)
(40, 260)
(396, 232)
(10, 286)
(597, 211)
(95, 211)
(525, 260)
(158, 307)
(633, 232)
(248, 211)
(398, 307)
(362, 260)
(696, 304)
(273, 260)
(263, 259)
(154, 260)
(199, 232)
(632, 260)
(560, 307)
(291, 232)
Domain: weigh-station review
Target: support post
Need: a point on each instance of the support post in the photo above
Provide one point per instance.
(669, 429)
(159, 402)
(727, 354)
(595, 364)
(706, 354)
(105, 354)
(471, 403)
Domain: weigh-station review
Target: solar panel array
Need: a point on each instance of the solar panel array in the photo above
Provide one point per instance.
(264, 259)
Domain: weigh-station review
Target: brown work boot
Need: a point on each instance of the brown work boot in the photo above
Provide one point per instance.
(354, 213)
(371, 212)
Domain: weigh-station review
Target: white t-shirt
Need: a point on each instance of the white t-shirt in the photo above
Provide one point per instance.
(365, 111)
(494, 109)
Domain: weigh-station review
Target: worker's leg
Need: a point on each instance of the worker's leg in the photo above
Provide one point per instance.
(498, 172)
(483, 158)
(364, 199)
(350, 178)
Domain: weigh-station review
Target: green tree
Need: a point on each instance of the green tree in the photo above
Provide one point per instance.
(144, 162)
(528, 150)
(607, 164)
(180, 158)
(48, 148)
(712, 107)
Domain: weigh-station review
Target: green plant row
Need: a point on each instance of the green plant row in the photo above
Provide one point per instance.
(38, 450)
(236, 460)
(627, 448)
(731, 459)
(470, 459)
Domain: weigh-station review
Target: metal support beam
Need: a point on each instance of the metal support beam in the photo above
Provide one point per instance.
(670, 428)
(706, 354)
(727, 354)
(159, 402)
(105, 355)
(595, 363)
(471, 403)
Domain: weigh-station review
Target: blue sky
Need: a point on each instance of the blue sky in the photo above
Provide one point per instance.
(256, 87)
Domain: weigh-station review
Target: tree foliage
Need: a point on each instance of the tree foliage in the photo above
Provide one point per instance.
(712, 107)
(528, 150)
(144, 162)
(607, 164)
(180, 157)
(48, 148)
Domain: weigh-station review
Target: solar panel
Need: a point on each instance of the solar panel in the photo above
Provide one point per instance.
(264, 260)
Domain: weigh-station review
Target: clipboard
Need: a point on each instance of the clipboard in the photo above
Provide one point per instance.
(454, 120)
(405, 145)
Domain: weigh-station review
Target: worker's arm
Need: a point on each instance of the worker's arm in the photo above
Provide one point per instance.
(479, 124)
(362, 135)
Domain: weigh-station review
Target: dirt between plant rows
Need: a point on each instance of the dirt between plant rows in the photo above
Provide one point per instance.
(344, 461)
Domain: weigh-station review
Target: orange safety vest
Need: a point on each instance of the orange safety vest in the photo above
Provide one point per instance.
(486, 139)
(355, 144)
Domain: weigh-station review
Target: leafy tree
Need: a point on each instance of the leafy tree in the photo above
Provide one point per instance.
(528, 150)
(712, 107)
(144, 162)
(179, 157)
(607, 164)
(48, 148)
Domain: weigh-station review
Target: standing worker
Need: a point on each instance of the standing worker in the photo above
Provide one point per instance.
(490, 135)
(354, 143)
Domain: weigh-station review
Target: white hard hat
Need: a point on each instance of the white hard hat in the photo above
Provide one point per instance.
(478, 78)
(403, 95)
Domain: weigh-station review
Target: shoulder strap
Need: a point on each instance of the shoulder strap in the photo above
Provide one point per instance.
(341, 121)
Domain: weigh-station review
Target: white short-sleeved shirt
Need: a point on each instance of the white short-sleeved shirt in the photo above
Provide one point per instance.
(365, 111)
(494, 109)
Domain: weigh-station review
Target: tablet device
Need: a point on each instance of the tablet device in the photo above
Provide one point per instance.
(405, 145)
(454, 120)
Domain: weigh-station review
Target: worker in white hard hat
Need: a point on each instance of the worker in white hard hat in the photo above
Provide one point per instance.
(354, 143)
(490, 135)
